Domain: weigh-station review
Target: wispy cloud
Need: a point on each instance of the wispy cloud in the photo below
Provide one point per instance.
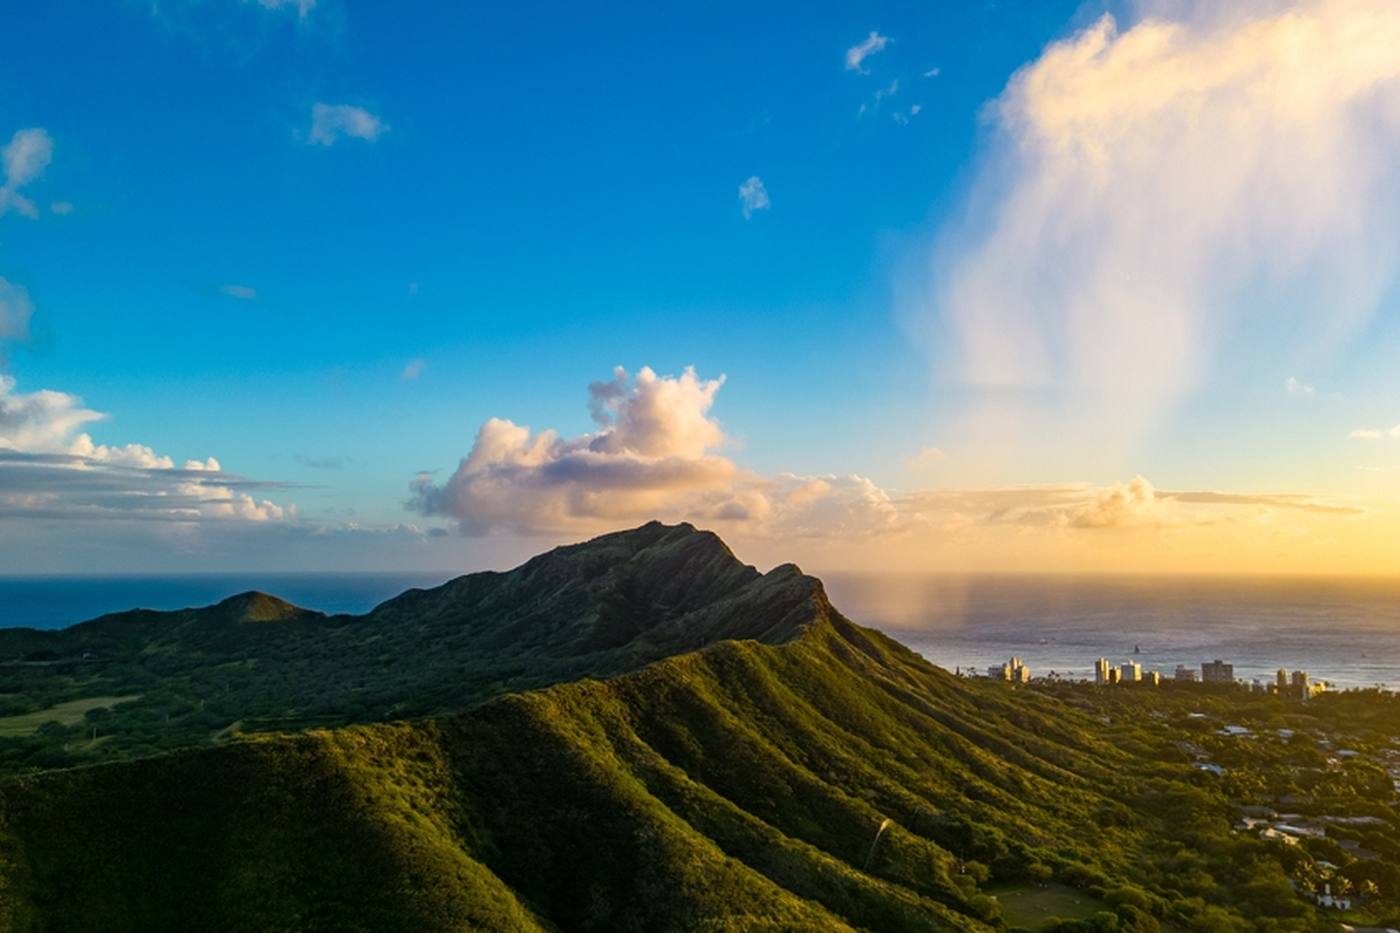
(15, 310)
(25, 157)
(1297, 387)
(303, 8)
(1375, 434)
(1135, 504)
(332, 122)
(753, 196)
(925, 458)
(413, 369)
(1134, 226)
(933, 72)
(858, 53)
(241, 292)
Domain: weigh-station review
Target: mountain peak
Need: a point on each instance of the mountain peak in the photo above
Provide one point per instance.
(256, 606)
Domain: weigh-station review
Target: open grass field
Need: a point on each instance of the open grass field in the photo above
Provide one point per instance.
(66, 714)
(1031, 905)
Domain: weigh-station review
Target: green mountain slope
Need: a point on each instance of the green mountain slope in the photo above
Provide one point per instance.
(743, 785)
(255, 663)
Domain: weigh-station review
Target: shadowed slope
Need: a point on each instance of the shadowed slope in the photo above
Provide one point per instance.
(795, 771)
(736, 787)
(254, 662)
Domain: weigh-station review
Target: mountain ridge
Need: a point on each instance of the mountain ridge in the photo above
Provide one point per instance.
(253, 661)
(810, 775)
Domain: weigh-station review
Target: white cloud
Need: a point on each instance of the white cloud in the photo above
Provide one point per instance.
(1082, 507)
(933, 72)
(333, 122)
(413, 369)
(15, 310)
(753, 196)
(61, 208)
(25, 157)
(654, 455)
(50, 470)
(241, 292)
(1160, 190)
(858, 53)
(1375, 434)
(1123, 505)
(40, 422)
(1297, 387)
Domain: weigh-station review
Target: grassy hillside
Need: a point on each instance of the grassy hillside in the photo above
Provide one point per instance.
(255, 663)
(740, 786)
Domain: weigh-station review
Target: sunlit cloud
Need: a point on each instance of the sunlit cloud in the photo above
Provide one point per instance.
(925, 458)
(1375, 434)
(1135, 504)
(1164, 195)
(51, 469)
(655, 453)
(658, 452)
(858, 53)
(331, 123)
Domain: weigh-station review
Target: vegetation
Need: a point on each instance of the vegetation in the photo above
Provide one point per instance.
(777, 767)
(60, 714)
(255, 663)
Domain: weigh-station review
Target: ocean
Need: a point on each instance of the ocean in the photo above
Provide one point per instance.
(1346, 631)
(55, 602)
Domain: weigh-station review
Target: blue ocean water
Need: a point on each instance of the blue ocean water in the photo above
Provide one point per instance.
(1345, 631)
(54, 602)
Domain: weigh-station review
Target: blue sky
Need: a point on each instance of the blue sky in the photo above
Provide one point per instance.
(548, 194)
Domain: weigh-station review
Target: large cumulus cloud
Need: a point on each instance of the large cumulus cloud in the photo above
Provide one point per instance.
(656, 453)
